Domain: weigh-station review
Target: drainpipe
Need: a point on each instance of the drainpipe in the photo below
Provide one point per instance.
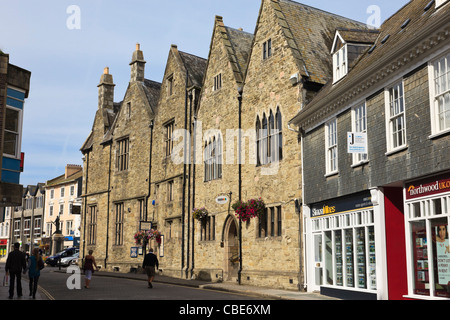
(240, 182)
(183, 211)
(85, 205)
(149, 177)
(193, 193)
(107, 212)
(189, 188)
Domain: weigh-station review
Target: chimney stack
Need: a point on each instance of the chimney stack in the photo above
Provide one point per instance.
(137, 65)
(106, 91)
(72, 169)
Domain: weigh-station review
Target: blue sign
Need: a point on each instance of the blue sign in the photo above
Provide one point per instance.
(134, 252)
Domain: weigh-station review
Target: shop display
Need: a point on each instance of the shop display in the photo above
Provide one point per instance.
(349, 257)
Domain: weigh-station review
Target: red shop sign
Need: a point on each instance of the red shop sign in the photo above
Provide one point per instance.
(427, 187)
(3, 242)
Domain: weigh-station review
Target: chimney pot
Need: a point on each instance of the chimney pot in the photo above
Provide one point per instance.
(138, 46)
(106, 70)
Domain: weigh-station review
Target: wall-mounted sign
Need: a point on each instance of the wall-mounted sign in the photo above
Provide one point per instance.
(222, 199)
(357, 142)
(354, 202)
(145, 226)
(428, 187)
(133, 252)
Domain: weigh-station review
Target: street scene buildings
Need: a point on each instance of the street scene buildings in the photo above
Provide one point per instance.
(311, 155)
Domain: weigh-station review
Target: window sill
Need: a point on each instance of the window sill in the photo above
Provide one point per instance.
(359, 164)
(394, 151)
(439, 134)
(331, 174)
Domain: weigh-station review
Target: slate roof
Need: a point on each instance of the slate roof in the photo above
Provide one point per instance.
(399, 31)
(195, 66)
(62, 179)
(310, 33)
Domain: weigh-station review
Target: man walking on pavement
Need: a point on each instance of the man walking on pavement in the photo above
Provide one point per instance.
(150, 261)
(15, 264)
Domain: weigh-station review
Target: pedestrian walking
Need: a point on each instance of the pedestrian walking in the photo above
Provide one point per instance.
(35, 265)
(89, 263)
(149, 264)
(15, 264)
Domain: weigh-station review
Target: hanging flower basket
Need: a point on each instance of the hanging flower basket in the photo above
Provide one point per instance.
(143, 237)
(250, 209)
(200, 214)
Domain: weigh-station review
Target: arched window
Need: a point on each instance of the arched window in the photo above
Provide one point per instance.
(280, 134)
(264, 140)
(258, 141)
(271, 142)
(213, 158)
(269, 138)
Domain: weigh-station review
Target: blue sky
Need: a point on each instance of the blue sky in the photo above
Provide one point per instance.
(66, 64)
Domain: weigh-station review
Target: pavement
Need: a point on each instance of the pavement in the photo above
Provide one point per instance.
(263, 293)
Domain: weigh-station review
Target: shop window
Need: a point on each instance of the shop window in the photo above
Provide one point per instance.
(349, 250)
(429, 252)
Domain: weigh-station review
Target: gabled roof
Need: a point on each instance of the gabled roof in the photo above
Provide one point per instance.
(195, 66)
(310, 33)
(397, 43)
(60, 180)
(238, 46)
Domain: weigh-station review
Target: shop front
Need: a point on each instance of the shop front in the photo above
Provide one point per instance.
(427, 214)
(344, 253)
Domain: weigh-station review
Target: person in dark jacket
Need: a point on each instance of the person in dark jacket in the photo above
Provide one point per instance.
(150, 261)
(15, 264)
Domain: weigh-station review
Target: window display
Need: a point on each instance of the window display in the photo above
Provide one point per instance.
(430, 247)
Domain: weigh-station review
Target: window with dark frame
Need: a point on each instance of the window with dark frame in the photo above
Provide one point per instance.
(269, 138)
(92, 225)
(168, 128)
(267, 49)
(119, 208)
(217, 82)
(123, 148)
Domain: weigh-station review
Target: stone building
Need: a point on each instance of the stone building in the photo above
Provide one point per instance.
(376, 161)
(288, 63)
(253, 82)
(116, 182)
(179, 94)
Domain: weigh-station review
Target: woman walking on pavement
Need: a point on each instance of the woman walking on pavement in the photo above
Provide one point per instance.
(89, 263)
(35, 264)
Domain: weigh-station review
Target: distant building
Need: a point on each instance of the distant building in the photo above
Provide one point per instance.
(14, 89)
(62, 199)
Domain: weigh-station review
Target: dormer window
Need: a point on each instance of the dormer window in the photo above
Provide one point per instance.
(348, 46)
(340, 64)
(440, 3)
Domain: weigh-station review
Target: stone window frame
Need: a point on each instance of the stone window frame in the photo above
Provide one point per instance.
(92, 216)
(269, 138)
(170, 83)
(169, 128)
(213, 152)
(267, 49)
(123, 154)
(119, 213)
(217, 82)
(271, 224)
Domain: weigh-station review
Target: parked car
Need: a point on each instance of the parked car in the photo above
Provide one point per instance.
(53, 260)
(68, 260)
